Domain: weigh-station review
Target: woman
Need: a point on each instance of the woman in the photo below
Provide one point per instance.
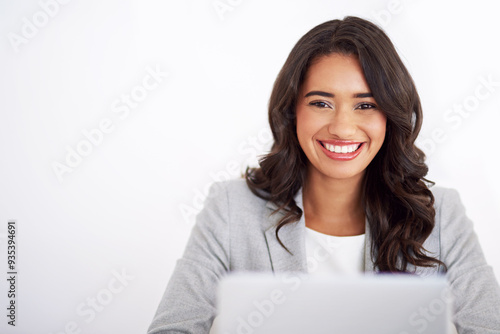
(344, 113)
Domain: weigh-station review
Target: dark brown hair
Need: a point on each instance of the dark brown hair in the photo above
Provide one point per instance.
(398, 203)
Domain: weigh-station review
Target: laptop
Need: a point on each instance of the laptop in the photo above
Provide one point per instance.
(297, 303)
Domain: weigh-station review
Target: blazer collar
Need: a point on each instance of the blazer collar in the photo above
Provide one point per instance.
(293, 237)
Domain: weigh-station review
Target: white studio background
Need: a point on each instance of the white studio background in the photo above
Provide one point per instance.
(98, 240)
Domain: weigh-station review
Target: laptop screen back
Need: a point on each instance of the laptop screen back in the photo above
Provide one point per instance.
(263, 303)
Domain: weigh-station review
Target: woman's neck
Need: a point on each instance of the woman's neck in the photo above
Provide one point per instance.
(334, 206)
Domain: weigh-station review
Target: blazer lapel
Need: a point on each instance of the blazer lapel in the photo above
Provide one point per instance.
(291, 235)
(368, 262)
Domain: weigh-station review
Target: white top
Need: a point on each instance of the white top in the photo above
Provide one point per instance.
(331, 254)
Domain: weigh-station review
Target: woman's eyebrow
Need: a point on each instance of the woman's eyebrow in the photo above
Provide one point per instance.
(363, 95)
(325, 94)
(320, 93)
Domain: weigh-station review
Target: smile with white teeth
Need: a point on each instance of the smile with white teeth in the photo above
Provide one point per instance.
(341, 149)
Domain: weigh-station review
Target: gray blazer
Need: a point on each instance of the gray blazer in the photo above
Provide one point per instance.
(235, 231)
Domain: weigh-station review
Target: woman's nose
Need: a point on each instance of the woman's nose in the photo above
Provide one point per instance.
(343, 124)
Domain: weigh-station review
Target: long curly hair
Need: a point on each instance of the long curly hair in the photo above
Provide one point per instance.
(397, 201)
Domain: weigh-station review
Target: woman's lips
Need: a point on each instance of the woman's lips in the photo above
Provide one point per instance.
(342, 150)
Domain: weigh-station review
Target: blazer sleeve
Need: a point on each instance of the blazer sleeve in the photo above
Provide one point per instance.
(188, 304)
(475, 290)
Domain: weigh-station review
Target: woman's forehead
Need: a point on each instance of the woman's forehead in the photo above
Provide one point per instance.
(336, 72)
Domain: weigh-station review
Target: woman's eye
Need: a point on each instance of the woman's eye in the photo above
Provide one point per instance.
(366, 106)
(320, 104)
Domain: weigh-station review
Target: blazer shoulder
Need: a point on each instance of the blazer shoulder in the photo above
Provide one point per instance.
(237, 192)
(450, 211)
(245, 211)
(439, 191)
(445, 199)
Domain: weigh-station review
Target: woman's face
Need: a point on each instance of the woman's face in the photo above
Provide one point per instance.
(339, 125)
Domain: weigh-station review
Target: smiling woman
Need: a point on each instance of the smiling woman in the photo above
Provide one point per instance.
(344, 125)
(345, 114)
